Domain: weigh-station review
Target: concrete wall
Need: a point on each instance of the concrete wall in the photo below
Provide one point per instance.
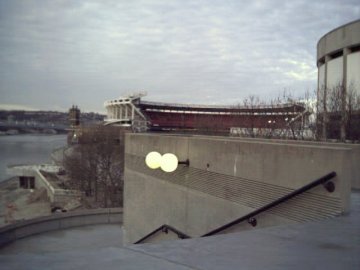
(56, 195)
(33, 171)
(354, 153)
(59, 221)
(227, 179)
(344, 36)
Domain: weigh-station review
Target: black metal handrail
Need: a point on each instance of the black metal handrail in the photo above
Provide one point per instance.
(164, 228)
(251, 216)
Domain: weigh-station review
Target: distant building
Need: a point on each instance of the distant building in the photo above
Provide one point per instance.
(338, 62)
(74, 116)
(74, 120)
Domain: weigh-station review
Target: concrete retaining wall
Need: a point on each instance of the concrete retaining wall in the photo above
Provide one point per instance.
(354, 153)
(56, 195)
(59, 221)
(227, 179)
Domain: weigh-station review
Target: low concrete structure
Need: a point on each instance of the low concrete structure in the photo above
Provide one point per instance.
(227, 179)
(56, 195)
(59, 221)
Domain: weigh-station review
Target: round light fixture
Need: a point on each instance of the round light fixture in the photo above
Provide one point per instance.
(169, 162)
(153, 160)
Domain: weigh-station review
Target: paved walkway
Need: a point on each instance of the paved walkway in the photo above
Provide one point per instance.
(328, 244)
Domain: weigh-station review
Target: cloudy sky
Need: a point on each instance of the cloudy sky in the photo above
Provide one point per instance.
(57, 53)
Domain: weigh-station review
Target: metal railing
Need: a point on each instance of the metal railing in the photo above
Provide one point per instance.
(250, 218)
(164, 228)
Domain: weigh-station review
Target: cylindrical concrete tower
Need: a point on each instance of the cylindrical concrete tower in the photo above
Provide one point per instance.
(338, 62)
(338, 57)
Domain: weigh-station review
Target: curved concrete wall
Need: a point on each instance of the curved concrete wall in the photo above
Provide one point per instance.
(342, 37)
(338, 58)
(59, 221)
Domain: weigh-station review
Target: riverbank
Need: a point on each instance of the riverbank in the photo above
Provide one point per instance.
(18, 204)
(27, 149)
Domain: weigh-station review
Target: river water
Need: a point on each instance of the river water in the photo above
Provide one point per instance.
(27, 149)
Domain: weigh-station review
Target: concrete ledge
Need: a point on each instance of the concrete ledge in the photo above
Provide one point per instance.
(11, 233)
(341, 37)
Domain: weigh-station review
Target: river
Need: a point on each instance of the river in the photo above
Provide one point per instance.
(27, 149)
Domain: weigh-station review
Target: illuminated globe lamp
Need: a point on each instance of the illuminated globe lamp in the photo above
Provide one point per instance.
(167, 162)
(153, 160)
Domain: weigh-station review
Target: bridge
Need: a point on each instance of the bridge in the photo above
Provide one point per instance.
(25, 127)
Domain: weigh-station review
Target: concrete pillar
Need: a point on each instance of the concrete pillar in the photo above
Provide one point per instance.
(126, 111)
(325, 116)
(346, 51)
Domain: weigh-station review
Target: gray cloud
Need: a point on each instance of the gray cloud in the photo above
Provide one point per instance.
(57, 53)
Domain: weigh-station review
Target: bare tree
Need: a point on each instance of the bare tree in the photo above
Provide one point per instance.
(247, 118)
(322, 113)
(281, 117)
(338, 112)
(96, 164)
(292, 124)
(251, 103)
(352, 113)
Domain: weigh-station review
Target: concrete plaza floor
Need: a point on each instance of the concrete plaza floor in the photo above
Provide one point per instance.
(328, 244)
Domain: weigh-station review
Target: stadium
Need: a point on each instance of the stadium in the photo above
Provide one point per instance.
(142, 115)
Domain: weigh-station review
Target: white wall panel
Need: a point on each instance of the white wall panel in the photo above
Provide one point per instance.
(334, 72)
(321, 83)
(353, 71)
